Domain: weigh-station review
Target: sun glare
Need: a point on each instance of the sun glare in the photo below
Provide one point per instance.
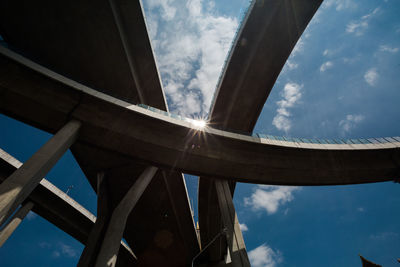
(199, 123)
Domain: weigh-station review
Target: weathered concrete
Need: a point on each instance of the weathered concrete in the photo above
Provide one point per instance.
(184, 147)
(61, 210)
(89, 41)
(265, 40)
(16, 188)
(105, 46)
(93, 244)
(161, 216)
(116, 226)
(234, 238)
(14, 222)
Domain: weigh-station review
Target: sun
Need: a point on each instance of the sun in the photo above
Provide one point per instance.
(199, 123)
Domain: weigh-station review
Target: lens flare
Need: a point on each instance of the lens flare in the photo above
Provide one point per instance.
(199, 123)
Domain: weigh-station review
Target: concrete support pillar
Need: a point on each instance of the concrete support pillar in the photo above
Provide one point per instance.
(93, 244)
(116, 227)
(237, 248)
(8, 229)
(16, 188)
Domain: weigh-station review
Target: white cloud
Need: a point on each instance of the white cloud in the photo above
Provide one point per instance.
(359, 27)
(167, 11)
(60, 249)
(299, 47)
(386, 48)
(45, 245)
(291, 64)
(291, 95)
(340, 4)
(384, 236)
(264, 256)
(361, 209)
(190, 43)
(31, 215)
(371, 76)
(325, 66)
(270, 197)
(350, 122)
(68, 251)
(243, 227)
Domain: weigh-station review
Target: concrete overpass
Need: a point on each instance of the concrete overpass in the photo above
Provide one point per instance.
(258, 55)
(181, 145)
(133, 137)
(105, 45)
(61, 210)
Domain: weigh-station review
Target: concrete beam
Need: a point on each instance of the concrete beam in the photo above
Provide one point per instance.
(265, 40)
(116, 227)
(14, 222)
(128, 72)
(175, 185)
(16, 188)
(234, 235)
(182, 146)
(61, 210)
(93, 244)
(103, 44)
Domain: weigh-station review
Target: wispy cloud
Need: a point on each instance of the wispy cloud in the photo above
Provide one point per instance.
(60, 249)
(291, 64)
(340, 4)
(358, 27)
(387, 48)
(264, 256)
(384, 236)
(371, 76)
(299, 47)
(243, 227)
(167, 11)
(31, 216)
(350, 122)
(325, 66)
(191, 43)
(291, 94)
(68, 251)
(270, 197)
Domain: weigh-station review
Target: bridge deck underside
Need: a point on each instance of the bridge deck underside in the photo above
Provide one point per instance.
(109, 50)
(265, 41)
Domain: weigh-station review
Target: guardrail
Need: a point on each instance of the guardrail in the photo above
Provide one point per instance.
(380, 140)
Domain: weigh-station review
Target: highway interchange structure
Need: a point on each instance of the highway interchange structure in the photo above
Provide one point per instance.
(90, 84)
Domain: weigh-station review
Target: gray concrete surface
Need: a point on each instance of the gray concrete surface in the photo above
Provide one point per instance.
(14, 222)
(108, 253)
(104, 44)
(92, 247)
(16, 188)
(138, 132)
(265, 40)
(237, 247)
(61, 210)
(246, 71)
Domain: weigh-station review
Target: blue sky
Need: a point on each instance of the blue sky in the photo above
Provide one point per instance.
(341, 81)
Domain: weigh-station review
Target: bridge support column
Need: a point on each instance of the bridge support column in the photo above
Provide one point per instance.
(8, 229)
(236, 246)
(112, 240)
(93, 244)
(16, 188)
